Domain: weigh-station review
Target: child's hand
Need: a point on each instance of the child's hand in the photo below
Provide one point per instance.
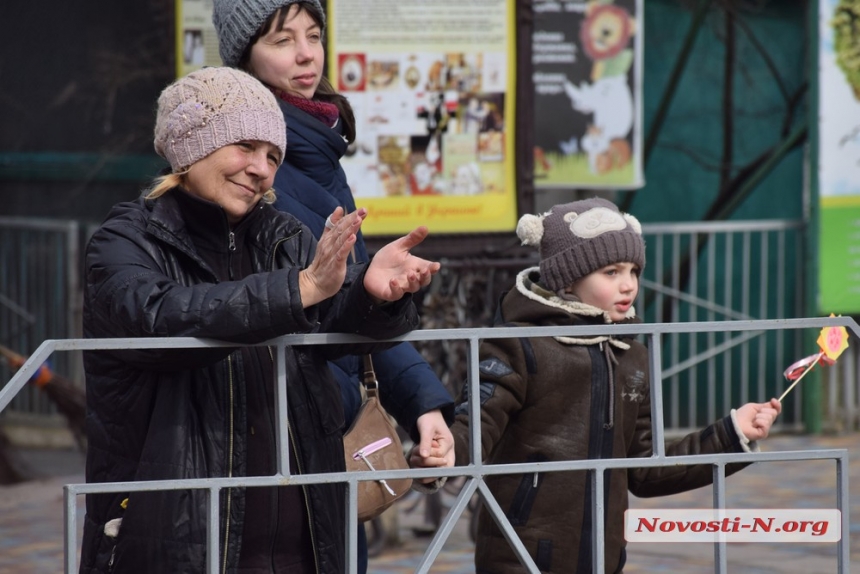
(755, 419)
(438, 456)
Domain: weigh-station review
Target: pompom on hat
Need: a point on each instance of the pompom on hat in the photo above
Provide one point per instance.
(237, 21)
(578, 238)
(211, 108)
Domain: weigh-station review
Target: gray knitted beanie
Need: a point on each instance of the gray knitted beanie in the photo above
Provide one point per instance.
(237, 21)
(211, 108)
(580, 237)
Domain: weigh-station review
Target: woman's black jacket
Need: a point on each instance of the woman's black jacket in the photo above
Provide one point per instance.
(180, 413)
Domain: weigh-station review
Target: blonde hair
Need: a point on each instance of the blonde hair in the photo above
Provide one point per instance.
(165, 183)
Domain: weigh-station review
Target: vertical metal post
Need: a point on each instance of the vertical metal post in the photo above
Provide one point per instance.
(764, 272)
(655, 365)
(693, 338)
(475, 455)
(780, 309)
(728, 304)
(675, 338)
(842, 501)
(720, 565)
(352, 527)
(598, 530)
(70, 519)
(711, 295)
(213, 533)
(281, 414)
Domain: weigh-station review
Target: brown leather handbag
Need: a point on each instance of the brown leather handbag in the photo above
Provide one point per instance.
(371, 443)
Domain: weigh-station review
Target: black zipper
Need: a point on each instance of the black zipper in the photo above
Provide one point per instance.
(231, 249)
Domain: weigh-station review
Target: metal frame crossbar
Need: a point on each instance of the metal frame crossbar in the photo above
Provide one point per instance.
(476, 470)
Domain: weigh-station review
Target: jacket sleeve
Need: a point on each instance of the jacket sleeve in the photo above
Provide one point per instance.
(720, 437)
(409, 388)
(502, 395)
(352, 311)
(131, 295)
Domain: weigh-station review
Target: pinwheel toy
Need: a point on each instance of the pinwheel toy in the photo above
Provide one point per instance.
(832, 341)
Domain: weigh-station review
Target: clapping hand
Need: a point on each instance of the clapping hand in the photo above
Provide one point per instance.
(326, 273)
(394, 271)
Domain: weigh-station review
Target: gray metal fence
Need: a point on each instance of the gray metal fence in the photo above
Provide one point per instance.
(724, 271)
(40, 294)
(476, 471)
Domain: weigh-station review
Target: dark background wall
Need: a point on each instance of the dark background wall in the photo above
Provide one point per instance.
(79, 78)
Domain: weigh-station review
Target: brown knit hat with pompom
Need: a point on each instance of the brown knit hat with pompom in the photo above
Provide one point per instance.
(578, 238)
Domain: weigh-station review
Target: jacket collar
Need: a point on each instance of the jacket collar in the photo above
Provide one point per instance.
(578, 313)
(326, 139)
(169, 222)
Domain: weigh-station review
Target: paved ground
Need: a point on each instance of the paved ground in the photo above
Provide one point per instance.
(31, 520)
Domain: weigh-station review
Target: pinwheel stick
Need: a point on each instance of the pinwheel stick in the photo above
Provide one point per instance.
(797, 380)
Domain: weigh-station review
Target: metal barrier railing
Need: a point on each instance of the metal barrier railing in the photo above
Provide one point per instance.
(476, 470)
(723, 271)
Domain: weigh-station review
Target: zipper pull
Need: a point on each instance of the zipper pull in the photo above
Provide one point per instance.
(372, 448)
(535, 483)
(382, 480)
(231, 241)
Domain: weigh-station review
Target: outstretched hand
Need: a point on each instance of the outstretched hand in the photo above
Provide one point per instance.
(326, 273)
(394, 271)
(755, 419)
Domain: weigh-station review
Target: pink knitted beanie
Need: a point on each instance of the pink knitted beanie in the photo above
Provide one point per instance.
(211, 108)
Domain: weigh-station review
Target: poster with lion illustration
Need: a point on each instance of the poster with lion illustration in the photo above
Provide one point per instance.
(588, 97)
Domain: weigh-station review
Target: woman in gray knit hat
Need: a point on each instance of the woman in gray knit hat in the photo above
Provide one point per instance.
(204, 254)
(560, 398)
(281, 42)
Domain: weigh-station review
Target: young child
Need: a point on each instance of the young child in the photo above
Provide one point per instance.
(571, 398)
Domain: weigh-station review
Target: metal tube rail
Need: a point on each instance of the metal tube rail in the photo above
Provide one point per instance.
(476, 470)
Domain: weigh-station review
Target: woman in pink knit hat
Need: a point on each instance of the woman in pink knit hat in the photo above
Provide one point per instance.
(204, 254)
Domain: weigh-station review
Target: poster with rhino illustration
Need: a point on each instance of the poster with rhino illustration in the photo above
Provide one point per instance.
(588, 97)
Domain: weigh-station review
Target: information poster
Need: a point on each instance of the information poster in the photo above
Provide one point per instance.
(839, 157)
(432, 85)
(196, 39)
(587, 60)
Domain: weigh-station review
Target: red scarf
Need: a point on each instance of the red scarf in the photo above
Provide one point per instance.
(323, 111)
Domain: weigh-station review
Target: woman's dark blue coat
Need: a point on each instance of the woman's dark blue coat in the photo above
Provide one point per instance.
(310, 184)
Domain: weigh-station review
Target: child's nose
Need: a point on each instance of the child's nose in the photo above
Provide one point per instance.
(629, 283)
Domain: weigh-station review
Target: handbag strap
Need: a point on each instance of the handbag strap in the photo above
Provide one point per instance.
(368, 379)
